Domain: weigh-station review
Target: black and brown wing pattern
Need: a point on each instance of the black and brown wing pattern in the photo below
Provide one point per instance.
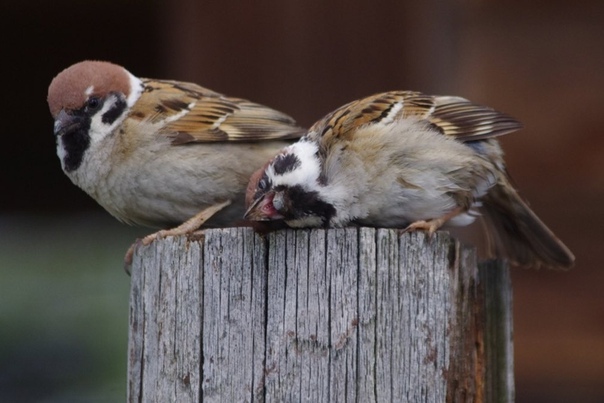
(453, 116)
(193, 114)
(458, 117)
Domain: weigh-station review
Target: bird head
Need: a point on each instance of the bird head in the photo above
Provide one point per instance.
(289, 188)
(88, 100)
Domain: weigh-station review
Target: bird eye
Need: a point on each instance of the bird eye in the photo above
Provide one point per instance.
(262, 184)
(93, 104)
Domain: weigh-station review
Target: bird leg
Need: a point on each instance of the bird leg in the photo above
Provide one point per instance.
(432, 225)
(185, 228)
(188, 226)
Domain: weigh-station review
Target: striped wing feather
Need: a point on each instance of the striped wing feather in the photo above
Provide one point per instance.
(453, 116)
(194, 114)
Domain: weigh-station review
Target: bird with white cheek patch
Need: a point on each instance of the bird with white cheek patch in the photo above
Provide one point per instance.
(160, 153)
(405, 160)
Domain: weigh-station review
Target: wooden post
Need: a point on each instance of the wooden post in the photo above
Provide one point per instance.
(351, 315)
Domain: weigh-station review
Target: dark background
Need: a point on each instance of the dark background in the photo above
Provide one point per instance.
(63, 296)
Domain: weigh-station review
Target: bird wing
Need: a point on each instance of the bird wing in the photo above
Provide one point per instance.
(452, 116)
(192, 114)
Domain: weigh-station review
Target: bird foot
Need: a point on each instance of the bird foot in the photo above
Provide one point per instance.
(432, 225)
(186, 228)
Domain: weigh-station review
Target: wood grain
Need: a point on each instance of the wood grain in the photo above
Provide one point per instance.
(351, 315)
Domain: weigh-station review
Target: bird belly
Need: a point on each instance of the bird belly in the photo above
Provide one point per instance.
(167, 188)
(419, 175)
(408, 207)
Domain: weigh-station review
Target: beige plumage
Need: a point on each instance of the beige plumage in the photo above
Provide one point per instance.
(157, 152)
(408, 160)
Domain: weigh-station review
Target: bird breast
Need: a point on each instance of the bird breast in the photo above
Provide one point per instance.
(398, 173)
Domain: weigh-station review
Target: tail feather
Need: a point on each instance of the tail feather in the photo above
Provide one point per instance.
(515, 232)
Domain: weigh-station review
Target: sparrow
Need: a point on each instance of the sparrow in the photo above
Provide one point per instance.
(160, 153)
(406, 160)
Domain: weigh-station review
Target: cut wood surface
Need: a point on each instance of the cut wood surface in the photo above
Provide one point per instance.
(351, 315)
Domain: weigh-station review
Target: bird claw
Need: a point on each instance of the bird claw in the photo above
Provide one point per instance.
(189, 227)
(161, 234)
(430, 226)
(130, 255)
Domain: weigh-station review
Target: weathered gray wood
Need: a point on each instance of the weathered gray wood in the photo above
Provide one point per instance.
(355, 314)
(165, 323)
(233, 315)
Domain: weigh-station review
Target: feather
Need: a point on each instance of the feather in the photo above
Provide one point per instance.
(452, 116)
(192, 114)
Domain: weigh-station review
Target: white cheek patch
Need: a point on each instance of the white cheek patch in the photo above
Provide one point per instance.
(305, 175)
(136, 89)
(98, 129)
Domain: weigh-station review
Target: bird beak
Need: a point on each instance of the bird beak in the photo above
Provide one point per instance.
(262, 209)
(65, 123)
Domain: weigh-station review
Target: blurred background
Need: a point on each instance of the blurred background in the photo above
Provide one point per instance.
(63, 293)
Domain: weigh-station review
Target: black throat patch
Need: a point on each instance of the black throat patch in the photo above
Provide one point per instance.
(303, 203)
(75, 143)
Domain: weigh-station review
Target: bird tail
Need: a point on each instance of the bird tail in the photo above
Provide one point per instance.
(515, 231)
